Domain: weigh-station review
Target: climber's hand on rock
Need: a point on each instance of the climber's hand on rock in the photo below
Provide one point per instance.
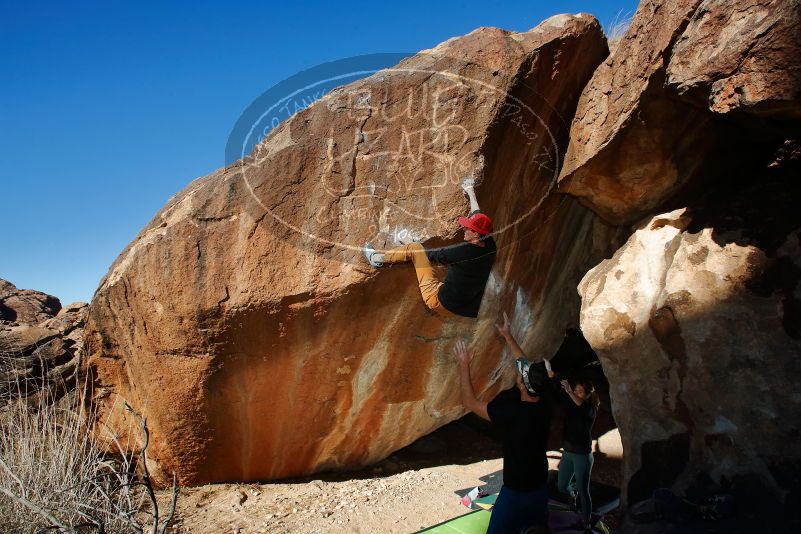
(463, 355)
(468, 183)
(503, 326)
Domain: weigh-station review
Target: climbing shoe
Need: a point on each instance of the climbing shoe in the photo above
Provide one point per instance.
(370, 253)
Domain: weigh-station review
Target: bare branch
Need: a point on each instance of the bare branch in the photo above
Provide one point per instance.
(15, 477)
(119, 513)
(99, 491)
(41, 511)
(172, 504)
(147, 482)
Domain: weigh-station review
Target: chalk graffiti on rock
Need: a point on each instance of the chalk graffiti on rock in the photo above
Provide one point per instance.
(388, 151)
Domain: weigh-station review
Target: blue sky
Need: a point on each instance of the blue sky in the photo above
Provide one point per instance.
(107, 109)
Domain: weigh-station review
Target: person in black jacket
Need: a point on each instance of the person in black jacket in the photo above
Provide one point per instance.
(469, 264)
(581, 407)
(523, 416)
(580, 402)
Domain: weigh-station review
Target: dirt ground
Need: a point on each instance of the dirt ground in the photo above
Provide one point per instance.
(414, 488)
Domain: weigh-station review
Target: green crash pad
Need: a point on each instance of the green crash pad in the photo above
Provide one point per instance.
(477, 522)
(471, 523)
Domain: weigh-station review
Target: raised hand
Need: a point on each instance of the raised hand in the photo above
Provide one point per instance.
(468, 186)
(566, 386)
(503, 327)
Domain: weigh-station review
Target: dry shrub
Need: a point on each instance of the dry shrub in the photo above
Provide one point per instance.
(55, 477)
(617, 29)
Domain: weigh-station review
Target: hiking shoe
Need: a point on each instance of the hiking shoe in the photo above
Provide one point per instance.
(369, 253)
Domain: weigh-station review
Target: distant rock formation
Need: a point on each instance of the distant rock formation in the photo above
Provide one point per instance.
(40, 343)
(243, 321)
(25, 305)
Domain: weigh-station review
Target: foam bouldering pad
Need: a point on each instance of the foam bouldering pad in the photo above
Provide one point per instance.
(560, 519)
(470, 523)
(605, 498)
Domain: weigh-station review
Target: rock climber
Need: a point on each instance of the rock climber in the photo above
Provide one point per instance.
(469, 263)
(580, 403)
(523, 415)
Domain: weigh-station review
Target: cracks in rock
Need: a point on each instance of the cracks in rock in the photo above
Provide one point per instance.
(756, 41)
(426, 339)
(256, 224)
(281, 200)
(219, 218)
(359, 140)
(225, 298)
(125, 293)
(660, 73)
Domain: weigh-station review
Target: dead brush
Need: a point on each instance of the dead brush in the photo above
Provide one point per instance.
(55, 477)
(617, 29)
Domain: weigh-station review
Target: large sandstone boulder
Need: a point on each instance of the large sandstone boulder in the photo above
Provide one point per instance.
(741, 56)
(697, 322)
(691, 83)
(697, 318)
(243, 322)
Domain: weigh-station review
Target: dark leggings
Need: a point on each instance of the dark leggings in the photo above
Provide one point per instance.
(578, 466)
(515, 511)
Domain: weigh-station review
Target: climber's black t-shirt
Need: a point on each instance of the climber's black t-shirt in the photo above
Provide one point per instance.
(469, 268)
(577, 423)
(524, 426)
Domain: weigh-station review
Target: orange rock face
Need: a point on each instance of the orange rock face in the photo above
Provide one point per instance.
(620, 161)
(243, 321)
(742, 57)
(666, 110)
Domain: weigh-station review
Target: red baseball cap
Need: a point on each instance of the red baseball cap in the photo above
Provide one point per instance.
(478, 222)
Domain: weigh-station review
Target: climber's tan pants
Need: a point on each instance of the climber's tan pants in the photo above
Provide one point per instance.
(426, 278)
